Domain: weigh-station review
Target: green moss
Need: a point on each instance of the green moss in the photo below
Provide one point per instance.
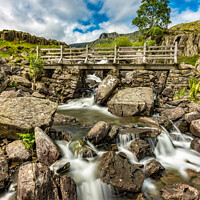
(188, 59)
(28, 139)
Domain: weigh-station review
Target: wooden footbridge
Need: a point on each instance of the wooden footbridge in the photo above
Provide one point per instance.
(111, 58)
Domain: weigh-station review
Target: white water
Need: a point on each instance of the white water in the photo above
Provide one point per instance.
(84, 173)
(86, 102)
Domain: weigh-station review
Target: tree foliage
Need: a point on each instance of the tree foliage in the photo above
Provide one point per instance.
(153, 13)
(36, 67)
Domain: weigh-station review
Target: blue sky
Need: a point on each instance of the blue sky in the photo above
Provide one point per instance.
(74, 21)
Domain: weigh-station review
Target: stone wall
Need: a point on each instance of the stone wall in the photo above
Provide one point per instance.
(144, 78)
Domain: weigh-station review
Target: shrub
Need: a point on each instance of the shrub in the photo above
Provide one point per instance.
(122, 41)
(36, 67)
(194, 88)
(181, 93)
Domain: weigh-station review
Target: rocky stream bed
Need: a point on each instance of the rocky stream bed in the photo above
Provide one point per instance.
(113, 143)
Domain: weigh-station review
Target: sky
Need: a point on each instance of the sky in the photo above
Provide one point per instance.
(75, 21)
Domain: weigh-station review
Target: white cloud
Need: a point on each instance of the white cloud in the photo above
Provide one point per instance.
(184, 16)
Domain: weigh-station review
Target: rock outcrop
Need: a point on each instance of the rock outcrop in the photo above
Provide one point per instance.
(132, 101)
(98, 132)
(105, 89)
(195, 144)
(4, 71)
(116, 170)
(16, 151)
(36, 181)
(23, 114)
(47, 151)
(11, 35)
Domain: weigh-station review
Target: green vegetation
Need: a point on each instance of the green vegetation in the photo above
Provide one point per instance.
(194, 88)
(14, 84)
(153, 13)
(188, 59)
(36, 67)
(188, 27)
(125, 41)
(28, 139)
(181, 94)
(16, 47)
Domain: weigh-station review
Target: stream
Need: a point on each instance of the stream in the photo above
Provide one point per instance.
(172, 150)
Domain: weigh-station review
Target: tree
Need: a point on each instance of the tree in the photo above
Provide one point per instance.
(153, 13)
(36, 67)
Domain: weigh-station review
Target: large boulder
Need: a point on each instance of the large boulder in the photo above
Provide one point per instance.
(180, 191)
(195, 127)
(47, 151)
(4, 71)
(141, 149)
(115, 169)
(23, 114)
(68, 188)
(16, 151)
(98, 132)
(105, 89)
(36, 181)
(14, 94)
(132, 101)
(174, 113)
(3, 171)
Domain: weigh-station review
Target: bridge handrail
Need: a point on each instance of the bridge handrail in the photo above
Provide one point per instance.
(142, 54)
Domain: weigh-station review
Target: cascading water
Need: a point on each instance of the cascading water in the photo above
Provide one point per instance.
(84, 173)
(172, 150)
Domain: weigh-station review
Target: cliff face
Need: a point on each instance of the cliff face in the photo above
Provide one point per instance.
(12, 35)
(188, 37)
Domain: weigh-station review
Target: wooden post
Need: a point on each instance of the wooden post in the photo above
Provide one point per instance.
(175, 52)
(87, 50)
(61, 54)
(115, 54)
(144, 53)
(37, 51)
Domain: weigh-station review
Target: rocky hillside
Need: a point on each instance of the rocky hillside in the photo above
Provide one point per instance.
(187, 35)
(12, 35)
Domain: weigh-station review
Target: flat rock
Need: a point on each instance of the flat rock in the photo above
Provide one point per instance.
(132, 101)
(60, 119)
(174, 113)
(163, 121)
(115, 169)
(4, 171)
(38, 95)
(16, 151)
(105, 89)
(189, 117)
(180, 191)
(195, 127)
(36, 181)
(98, 132)
(23, 114)
(68, 188)
(193, 107)
(47, 151)
(14, 94)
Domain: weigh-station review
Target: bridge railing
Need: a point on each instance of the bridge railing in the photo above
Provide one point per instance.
(115, 55)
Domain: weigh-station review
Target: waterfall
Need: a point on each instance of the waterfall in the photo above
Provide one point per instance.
(84, 173)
